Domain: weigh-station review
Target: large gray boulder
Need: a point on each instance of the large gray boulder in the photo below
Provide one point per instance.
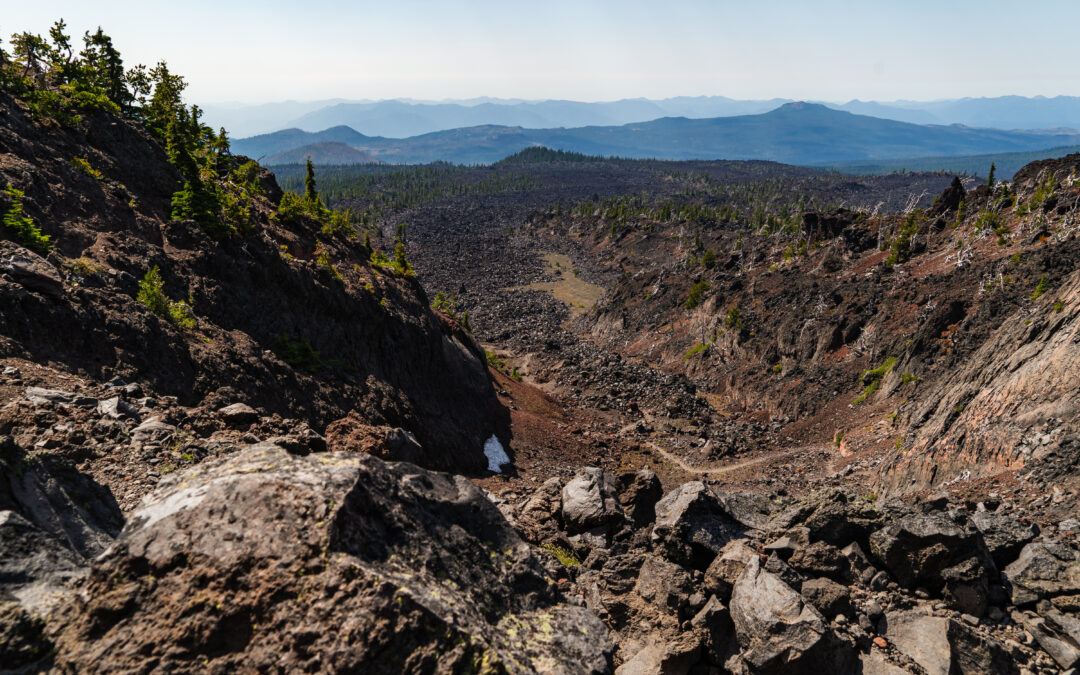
(835, 516)
(933, 551)
(942, 646)
(264, 560)
(1005, 535)
(1045, 569)
(589, 501)
(779, 632)
(726, 567)
(692, 526)
(664, 584)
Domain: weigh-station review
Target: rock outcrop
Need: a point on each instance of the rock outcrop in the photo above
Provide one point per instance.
(332, 562)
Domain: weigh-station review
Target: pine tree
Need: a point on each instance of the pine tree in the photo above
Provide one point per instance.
(990, 179)
(105, 68)
(311, 195)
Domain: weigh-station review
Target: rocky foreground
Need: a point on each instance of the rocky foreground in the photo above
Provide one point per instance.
(279, 555)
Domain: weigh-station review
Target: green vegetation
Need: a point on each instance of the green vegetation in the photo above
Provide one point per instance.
(152, 294)
(540, 155)
(293, 208)
(908, 378)
(500, 364)
(20, 226)
(1040, 288)
(875, 377)
(322, 259)
(399, 264)
(901, 241)
(299, 353)
(82, 164)
(1043, 192)
(1058, 306)
(695, 350)
(961, 213)
(991, 178)
(696, 292)
(494, 360)
(778, 368)
(56, 83)
(838, 439)
(733, 320)
(566, 557)
(708, 259)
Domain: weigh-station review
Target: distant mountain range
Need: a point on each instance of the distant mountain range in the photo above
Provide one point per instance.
(794, 133)
(406, 118)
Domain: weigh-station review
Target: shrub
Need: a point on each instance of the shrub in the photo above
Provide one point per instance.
(1040, 288)
(876, 376)
(901, 242)
(734, 318)
(708, 259)
(1058, 305)
(21, 226)
(696, 291)
(401, 265)
(87, 267)
(82, 164)
(494, 361)
(566, 557)
(300, 354)
(695, 350)
(322, 259)
(152, 294)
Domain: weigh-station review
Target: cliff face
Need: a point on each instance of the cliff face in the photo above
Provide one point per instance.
(290, 321)
(1016, 399)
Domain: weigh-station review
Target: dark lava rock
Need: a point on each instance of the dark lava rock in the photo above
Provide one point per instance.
(692, 525)
(1044, 570)
(30, 270)
(933, 551)
(943, 646)
(778, 632)
(335, 562)
(638, 493)
(1058, 634)
(834, 516)
(828, 596)
(715, 619)
(1005, 535)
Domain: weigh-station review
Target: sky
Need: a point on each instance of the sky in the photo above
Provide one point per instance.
(587, 50)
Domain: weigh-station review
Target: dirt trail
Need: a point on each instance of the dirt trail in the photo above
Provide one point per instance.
(727, 468)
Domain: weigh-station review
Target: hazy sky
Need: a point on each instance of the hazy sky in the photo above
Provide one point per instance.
(272, 50)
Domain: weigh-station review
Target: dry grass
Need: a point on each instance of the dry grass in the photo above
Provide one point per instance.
(570, 289)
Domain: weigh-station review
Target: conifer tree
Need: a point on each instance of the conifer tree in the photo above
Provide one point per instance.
(105, 68)
(310, 193)
(990, 179)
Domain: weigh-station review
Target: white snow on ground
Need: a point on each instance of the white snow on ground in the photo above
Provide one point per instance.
(495, 454)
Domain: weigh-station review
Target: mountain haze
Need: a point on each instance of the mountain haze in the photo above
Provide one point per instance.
(401, 118)
(795, 133)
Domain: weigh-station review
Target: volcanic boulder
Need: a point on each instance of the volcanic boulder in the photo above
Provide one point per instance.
(334, 562)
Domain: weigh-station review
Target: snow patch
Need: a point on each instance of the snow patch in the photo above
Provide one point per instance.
(495, 454)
